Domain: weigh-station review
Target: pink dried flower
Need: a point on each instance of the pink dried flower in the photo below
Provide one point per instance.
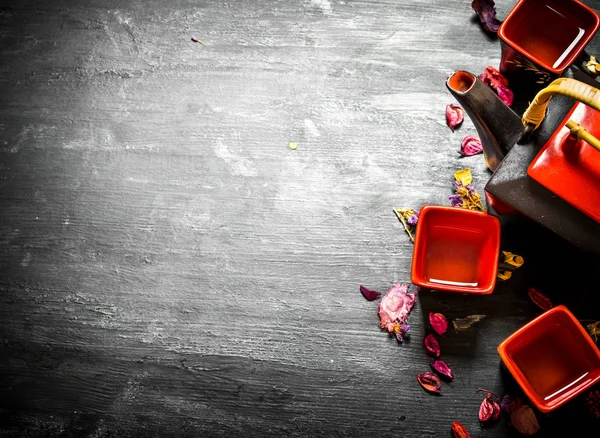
(369, 294)
(442, 368)
(395, 306)
(486, 12)
(493, 78)
(505, 95)
(470, 145)
(454, 116)
(438, 322)
(431, 345)
(489, 410)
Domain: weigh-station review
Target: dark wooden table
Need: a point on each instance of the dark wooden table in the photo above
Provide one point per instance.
(169, 266)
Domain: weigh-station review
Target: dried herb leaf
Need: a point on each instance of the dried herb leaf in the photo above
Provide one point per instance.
(459, 431)
(487, 14)
(369, 294)
(438, 322)
(463, 324)
(522, 417)
(454, 116)
(431, 345)
(541, 300)
(430, 382)
(395, 306)
(489, 411)
(470, 145)
(442, 368)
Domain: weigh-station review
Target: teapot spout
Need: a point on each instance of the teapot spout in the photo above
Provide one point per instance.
(498, 126)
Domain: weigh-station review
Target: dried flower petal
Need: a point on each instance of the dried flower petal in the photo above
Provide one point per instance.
(464, 176)
(413, 220)
(513, 259)
(438, 322)
(405, 216)
(463, 324)
(489, 411)
(469, 198)
(395, 306)
(442, 368)
(487, 14)
(455, 201)
(454, 116)
(541, 300)
(493, 78)
(505, 95)
(521, 415)
(594, 330)
(293, 145)
(459, 431)
(430, 382)
(402, 331)
(196, 40)
(431, 345)
(470, 145)
(592, 401)
(369, 294)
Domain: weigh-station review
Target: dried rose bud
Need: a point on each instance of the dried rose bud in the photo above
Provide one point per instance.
(470, 145)
(459, 431)
(505, 95)
(541, 300)
(487, 14)
(442, 368)
(395, 306)
(369, 294)
(438, 323)
(430, 382)
(454, 116)
(489, 411)
(431, 345)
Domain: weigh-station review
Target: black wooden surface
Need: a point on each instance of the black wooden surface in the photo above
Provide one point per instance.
(170, 267)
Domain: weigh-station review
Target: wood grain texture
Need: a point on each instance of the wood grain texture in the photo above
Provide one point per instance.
(170, 267)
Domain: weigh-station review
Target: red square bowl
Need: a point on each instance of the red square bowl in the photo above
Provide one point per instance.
(456, 250)
(552, 358)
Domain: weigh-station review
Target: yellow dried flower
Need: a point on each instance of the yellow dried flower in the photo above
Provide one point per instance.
(464, 176)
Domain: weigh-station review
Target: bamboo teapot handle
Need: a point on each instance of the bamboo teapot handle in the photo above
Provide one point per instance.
(533, 116)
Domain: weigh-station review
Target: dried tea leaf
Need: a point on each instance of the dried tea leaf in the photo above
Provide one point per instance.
(459, 431)
(464, 177)
(454, 116)
(487, 14)
(470, 145)
(505, 95)
(489, 411)
(442, 368)
(369, 294)
(463, 324)
(430, 382)
(431, 345)
(541, 300)
(395, 306)
(438, 322)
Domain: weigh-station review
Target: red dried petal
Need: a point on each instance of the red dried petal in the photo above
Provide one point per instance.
(369, 294)
(454, 116)
(524, 420)
(541, 300)
(431, 345)
(442, 368)
(493, 78)
(430, 382)
(438, 323)
(505, 95)
(489, 411)
(487, 14)
(459, 431)
(470, 145)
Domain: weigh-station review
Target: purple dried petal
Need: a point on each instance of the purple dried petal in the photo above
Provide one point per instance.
(369, 294)
(455, 201)
(395, 306)
(505, 95)
(508, 404)
(454, 116)
(399, 337)
(487, 14)
(412, 221)
(431, 345)
(430, 381)
(405, 328)
(438, 323)
(442, 368)
(470, 145)
(472, 190)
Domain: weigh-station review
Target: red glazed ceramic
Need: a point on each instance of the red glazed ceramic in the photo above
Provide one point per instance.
(552, 358)
(456, 250)
(570, 168)
(540, 38)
